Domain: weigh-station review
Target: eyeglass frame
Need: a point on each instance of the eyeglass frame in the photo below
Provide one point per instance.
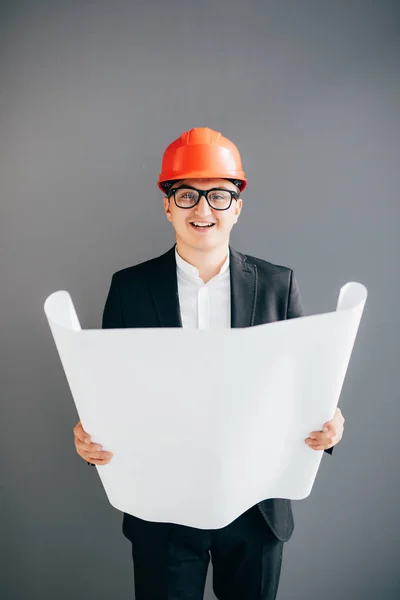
(234, 195)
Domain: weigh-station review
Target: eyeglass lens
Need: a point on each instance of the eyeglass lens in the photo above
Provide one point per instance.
(218, 199)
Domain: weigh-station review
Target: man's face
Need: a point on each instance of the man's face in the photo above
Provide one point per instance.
(206, 238)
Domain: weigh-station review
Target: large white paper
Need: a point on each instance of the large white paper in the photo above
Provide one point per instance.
(204, 424)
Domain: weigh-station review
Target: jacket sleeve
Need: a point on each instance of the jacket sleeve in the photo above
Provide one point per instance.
(295, 309)
(112, 313)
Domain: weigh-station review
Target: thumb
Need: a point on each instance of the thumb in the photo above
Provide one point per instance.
(85, 437)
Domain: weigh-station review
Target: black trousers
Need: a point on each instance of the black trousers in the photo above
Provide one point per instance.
(171, 561)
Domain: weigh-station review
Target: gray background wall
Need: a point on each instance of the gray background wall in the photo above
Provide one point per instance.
(90, 95)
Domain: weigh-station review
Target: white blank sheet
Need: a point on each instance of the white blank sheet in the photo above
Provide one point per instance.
(204, 424)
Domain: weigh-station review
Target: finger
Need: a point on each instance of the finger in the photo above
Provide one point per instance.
(81, 434)
(82, 447)
(311, 443)
(318, 436)
(329, 427)
(99, 462)
(318, 444)
(87, 454)
(99, 455)
(326, 427)
(339, 412)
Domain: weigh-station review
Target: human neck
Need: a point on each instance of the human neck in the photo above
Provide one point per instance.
(207, 263)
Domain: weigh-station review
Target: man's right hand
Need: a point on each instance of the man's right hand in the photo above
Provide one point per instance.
(92, 453)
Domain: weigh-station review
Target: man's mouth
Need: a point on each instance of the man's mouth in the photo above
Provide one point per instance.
(201, 225)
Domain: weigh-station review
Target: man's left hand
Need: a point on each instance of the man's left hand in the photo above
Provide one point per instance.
(331, 433)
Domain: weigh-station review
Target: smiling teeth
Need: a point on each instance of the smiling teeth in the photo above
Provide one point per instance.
(202, 224)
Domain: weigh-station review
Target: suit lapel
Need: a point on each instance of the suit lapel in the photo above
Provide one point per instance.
(243, 290)
(164, 289)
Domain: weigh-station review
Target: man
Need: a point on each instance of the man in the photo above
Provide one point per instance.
(203, 282)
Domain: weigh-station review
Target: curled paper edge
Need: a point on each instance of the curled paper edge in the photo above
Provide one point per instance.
(60, 309)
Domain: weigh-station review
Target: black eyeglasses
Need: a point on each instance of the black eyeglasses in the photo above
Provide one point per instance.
(187, 197)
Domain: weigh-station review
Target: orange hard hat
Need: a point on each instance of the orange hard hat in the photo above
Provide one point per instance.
(201, 152)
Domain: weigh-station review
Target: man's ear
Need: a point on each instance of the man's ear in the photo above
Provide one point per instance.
(167, 208)
(238, 208)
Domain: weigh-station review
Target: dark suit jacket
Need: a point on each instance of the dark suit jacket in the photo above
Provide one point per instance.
(146, 295)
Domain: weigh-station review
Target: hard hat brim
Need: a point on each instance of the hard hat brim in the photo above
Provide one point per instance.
(201, 175)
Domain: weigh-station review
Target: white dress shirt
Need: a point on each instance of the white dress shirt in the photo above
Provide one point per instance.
(203, 305)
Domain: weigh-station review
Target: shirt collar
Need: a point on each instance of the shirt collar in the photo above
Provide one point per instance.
(192, 272)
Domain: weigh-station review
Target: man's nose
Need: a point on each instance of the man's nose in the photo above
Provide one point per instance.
(203, 208)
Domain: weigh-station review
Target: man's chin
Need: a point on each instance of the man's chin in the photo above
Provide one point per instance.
(202, 238)
(199, 244)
